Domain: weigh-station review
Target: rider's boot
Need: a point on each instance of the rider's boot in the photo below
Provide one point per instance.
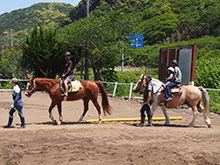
(22, 123)
(9, 123)
(149, 121)
(142, 121)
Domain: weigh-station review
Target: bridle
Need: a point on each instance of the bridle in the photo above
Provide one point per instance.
(28, 91)
(139, 82)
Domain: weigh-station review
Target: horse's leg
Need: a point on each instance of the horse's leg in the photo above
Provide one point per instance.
(96, 104)
(157, 102)
(86, 107)
(195, 113)
(167, 122)
(52, 105)
(206, 118)
(60, 112)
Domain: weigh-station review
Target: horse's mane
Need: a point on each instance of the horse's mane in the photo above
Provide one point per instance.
(156, 84)
(157, 81)
(47, 79)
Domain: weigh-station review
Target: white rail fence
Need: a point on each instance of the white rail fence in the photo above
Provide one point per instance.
(114, 83)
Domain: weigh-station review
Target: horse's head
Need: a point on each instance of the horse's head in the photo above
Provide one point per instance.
(140, 84)
(31, 87)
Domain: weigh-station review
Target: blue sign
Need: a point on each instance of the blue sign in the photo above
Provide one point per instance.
(136, 40)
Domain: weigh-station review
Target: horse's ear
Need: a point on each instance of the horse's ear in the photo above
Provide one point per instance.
(142, 75)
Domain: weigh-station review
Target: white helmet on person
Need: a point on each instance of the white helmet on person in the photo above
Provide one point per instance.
(171, 69)
(67, 54)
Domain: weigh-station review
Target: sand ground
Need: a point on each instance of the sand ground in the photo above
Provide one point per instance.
(107, 143)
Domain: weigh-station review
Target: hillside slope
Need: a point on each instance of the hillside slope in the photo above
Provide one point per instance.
(21, 21)
(179, 20)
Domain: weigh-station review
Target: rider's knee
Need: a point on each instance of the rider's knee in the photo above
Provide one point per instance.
(65, 82)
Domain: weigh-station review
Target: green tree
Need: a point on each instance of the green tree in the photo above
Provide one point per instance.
(207, 73)
(101, 39)
(159, 27)
(41, 53)
(10, 64)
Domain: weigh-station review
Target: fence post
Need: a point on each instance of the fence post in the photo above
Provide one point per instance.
(116, 83)
(130, 90)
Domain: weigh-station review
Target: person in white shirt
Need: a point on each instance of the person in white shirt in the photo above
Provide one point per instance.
(17, 104)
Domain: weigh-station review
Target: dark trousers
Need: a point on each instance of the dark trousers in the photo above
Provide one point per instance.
(168, 89)
(146, 107)
(20, 113)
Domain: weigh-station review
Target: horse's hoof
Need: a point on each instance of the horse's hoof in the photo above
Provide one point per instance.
(209, 125)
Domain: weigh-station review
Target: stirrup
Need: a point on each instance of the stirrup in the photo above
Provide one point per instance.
(64, 95)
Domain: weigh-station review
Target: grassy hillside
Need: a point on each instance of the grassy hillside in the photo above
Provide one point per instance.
(21, 21)
(180, 20)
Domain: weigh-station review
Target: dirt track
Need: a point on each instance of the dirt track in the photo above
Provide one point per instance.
(41, 142)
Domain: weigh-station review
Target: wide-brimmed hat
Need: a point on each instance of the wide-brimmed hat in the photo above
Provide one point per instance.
(14, 80)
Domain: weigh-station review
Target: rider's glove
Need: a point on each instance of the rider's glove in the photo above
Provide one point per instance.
(12, 106)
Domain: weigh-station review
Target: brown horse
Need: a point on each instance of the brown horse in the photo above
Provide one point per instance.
(89, 91)
(190, 95)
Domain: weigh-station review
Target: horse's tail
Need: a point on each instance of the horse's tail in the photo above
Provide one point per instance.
(105, 104)
(205, 99)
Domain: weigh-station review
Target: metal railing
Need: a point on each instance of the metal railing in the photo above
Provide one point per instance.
(104, 82)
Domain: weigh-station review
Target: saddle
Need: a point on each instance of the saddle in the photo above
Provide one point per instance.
(177, 89)
(73, 86)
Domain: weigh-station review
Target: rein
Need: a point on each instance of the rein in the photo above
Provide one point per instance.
(9, 108)
(158, 89)
(53, 85)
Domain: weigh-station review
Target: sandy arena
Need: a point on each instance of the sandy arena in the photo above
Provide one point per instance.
(108, 143)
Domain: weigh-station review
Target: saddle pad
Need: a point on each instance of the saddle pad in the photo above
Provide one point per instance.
(75, 86)
(177, 90)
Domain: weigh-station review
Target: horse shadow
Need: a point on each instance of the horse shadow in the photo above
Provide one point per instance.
(162, 125)
(63, 123)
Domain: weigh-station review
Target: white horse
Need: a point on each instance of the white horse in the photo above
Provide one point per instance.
(190, 95)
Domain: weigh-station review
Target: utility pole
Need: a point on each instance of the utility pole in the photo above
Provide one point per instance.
(122, 60)
(87, 7)
(86, 76)
(11, 37)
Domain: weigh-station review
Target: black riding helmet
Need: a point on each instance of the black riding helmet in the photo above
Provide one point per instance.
(174, 62)
(67, 54)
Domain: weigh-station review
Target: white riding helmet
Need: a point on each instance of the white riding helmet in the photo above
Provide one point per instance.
(171, 69)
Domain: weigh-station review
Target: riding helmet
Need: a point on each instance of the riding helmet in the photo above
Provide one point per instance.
(171, 69)
(67, 54)
(174, 62)
(148, 76)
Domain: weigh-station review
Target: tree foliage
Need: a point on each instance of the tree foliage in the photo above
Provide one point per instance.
(101, 38)
(180, 20)
(10, 64)
(41, 53)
